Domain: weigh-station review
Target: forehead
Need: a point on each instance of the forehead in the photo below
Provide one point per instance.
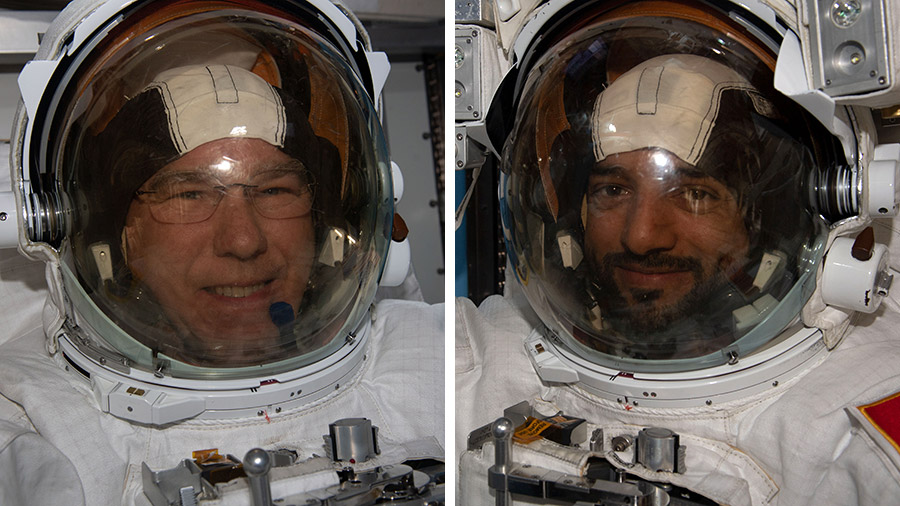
(227, 156)
(657, 160)
(656, 164)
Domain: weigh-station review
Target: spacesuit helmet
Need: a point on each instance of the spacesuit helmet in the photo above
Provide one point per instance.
(658, 195)
(206, 143)
(210, 183)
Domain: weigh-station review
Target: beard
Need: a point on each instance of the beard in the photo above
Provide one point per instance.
(649, 327)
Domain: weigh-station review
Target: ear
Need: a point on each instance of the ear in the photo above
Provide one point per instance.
(127, 231)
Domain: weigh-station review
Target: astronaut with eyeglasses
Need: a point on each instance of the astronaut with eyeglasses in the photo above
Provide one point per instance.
(210, 189)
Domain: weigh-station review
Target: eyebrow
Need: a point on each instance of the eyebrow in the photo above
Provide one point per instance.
(291, 165)
(176, 177)
(607, 170)
(201, 173)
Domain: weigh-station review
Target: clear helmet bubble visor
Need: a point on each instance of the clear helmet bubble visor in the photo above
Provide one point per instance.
(655, 194)
(228, 187)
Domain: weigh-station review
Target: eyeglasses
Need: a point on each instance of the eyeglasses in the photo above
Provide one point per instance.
(192, 197)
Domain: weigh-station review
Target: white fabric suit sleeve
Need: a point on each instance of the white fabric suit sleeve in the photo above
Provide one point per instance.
(34, 472)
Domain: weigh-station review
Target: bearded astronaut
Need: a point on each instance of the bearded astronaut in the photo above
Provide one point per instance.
(209, 187)
(696, 200)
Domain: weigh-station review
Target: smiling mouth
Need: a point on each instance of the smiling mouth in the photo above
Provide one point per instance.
(236, 292)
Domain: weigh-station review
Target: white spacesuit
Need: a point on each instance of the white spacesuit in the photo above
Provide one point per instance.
(701, 312)
(209, 187)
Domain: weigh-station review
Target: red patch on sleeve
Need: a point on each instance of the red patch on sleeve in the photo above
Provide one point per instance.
(885, 416)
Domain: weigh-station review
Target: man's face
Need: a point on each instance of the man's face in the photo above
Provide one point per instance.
(660, 236)
(218, 277)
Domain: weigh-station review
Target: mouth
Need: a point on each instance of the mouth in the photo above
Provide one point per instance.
(649, 271)
(653, 278)
(236, 292)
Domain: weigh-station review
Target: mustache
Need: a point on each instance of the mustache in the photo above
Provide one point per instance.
(651, 261)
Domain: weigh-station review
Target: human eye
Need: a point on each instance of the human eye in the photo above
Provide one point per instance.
(607, 194)
(280, 183)
(697, 199)
(281, 193)
(180, 187)
(188, 192)
(611, 191)
(285, 187)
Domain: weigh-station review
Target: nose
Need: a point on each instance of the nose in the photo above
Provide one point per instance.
(238, 229)
(649, 227)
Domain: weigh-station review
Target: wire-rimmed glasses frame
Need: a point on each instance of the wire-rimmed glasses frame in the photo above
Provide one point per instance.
(193, 196)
